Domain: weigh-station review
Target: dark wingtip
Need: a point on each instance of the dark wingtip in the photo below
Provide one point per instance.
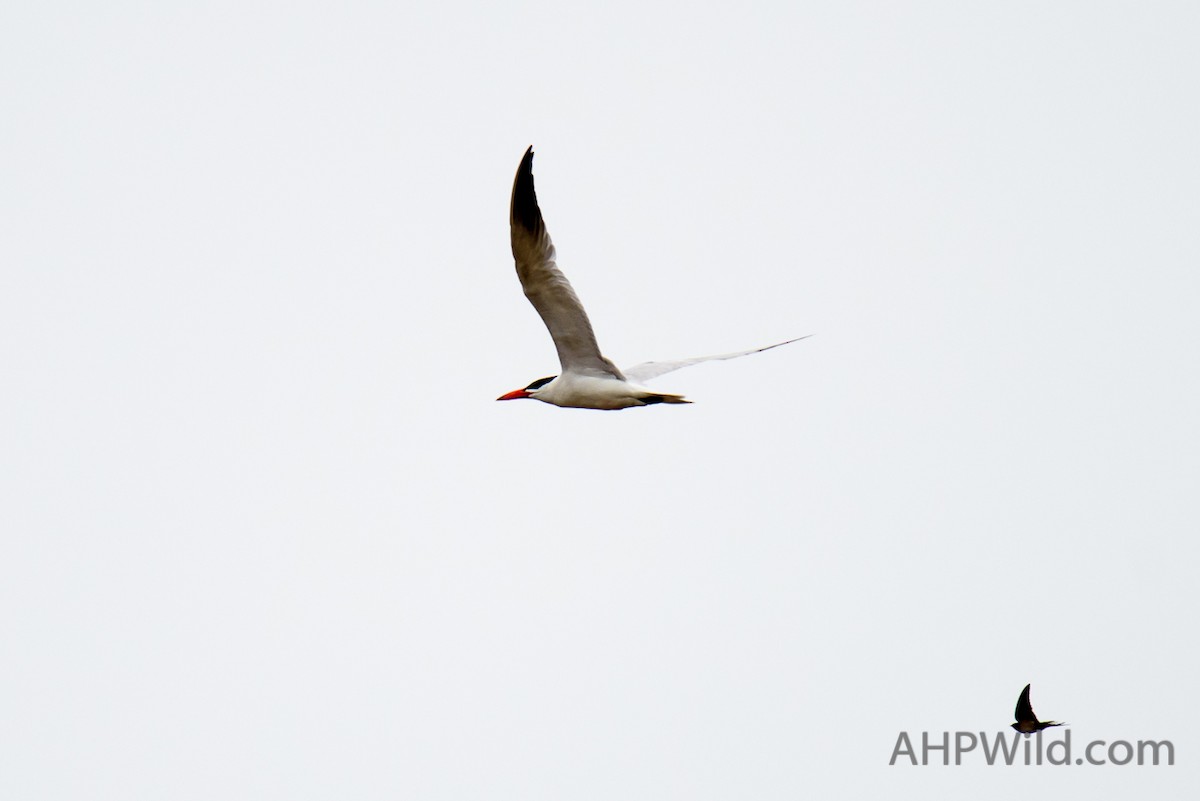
(525, 211)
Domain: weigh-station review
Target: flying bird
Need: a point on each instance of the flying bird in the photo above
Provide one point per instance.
(1027, 722)
(588, 380)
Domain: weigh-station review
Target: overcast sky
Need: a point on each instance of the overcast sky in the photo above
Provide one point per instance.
(266, 534)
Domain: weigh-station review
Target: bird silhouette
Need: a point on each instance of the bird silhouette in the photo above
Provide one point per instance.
(1027, 722)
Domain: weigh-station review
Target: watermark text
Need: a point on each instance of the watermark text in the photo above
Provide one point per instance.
(1020, 749)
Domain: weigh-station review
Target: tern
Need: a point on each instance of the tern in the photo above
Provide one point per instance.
(588, 380)
(1027, 722)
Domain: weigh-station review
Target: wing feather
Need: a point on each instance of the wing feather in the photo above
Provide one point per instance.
(649, 370)
(546, 287)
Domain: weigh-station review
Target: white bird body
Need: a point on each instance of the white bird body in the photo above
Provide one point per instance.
(595, 392)
(588, 380)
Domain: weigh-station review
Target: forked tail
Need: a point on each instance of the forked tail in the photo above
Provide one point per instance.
(661, 397)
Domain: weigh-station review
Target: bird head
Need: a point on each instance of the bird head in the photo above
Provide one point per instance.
(529, 391)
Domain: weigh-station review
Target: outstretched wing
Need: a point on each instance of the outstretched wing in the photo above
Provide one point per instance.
(1024, 708)
(545, 285)
(648, 370)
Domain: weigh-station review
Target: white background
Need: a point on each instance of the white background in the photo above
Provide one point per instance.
(266, 534)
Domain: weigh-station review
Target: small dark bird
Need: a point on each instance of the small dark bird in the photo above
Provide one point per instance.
(1027, 722)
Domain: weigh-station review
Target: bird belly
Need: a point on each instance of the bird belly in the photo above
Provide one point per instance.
(592, 392)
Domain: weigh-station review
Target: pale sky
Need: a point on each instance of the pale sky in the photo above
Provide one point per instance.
(267, 534)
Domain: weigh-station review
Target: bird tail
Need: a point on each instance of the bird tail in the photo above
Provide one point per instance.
(661, 397)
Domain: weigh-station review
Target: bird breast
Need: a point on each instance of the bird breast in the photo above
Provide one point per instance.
(591, 392)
